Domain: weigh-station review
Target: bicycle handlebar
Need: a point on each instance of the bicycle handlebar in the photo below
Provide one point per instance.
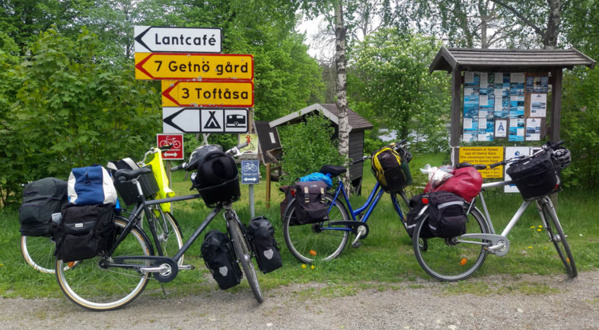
(549, 146)
(234, 152)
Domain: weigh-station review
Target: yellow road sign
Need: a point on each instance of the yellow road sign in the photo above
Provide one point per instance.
(200, 67)
(207, 94)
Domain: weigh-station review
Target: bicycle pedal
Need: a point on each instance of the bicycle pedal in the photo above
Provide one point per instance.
(356, 244)
(187, 267)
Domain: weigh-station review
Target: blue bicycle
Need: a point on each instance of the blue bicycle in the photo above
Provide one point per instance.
(326, 240)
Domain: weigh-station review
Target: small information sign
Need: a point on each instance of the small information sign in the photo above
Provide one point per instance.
(250, 172)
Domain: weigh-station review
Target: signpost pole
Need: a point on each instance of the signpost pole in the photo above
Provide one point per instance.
(251, 193)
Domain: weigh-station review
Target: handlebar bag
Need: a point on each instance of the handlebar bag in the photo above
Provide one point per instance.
(446, 214)
(535, 176)
(219, 257)
(85, 231)
(91, 185)
(217, 179)
(312, 206)
(262, 240)
(41, 198)
(391, 172)
(465, 182)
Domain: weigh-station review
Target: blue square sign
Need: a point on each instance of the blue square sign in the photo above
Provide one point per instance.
(250, 171)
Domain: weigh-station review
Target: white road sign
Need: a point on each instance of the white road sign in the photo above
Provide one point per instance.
(179, 40)
(204, 120)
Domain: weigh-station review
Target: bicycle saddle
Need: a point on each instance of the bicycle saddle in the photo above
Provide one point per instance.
(332, 170)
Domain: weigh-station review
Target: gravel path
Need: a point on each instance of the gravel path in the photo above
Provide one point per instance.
(526, 302)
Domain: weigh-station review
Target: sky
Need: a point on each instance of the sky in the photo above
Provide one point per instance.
(317, 50)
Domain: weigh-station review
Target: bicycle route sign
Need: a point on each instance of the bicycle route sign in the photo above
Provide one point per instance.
(205, 120)
(177, 39)
(176, 140)
(200, 67)
(250, 172)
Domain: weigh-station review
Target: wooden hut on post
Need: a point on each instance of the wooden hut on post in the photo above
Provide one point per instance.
(542, 62)
(356, 136)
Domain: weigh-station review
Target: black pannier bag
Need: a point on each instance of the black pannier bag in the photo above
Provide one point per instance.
(219, 257)
(416, 205)
(217, 179)
(85, 231)
(391, 171)
(262, 239)
(446, 214)
(311, 202)
(536, 176)
(127, 190)
(41, 199)
(289, 192)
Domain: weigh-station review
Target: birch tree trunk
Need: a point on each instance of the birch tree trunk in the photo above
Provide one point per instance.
(342, 87)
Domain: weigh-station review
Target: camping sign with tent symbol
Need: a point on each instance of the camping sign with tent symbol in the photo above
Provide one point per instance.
(224, 120)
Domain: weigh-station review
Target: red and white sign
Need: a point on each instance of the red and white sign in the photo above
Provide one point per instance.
(176, 140)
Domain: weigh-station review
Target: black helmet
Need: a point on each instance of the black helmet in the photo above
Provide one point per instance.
(562, 157)
(199, 153)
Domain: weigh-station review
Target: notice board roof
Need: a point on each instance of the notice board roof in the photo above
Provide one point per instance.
(508, 60)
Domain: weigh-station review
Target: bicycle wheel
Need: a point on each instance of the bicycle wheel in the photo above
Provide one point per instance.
(169, 234)
(556, 235)
(319, 241)
(244, 256)
(452, 259)
(38, 252)
(94, 287)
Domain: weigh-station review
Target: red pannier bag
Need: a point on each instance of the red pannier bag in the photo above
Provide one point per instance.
(465, 182)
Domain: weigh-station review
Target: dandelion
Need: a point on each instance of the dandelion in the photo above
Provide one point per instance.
(530, 247)
(532, 227)
(312, 267)
(304, 266)
(539, 229)
(540, 226)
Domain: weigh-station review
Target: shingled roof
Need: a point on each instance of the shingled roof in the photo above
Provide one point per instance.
(508, 60)
(356, 122)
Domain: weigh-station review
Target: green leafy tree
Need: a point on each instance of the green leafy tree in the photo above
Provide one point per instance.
(9, 84)
(394, 88)
(307, 146)
(580, 119)
(72, 110)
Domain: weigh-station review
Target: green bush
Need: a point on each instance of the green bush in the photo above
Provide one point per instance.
(307, 146)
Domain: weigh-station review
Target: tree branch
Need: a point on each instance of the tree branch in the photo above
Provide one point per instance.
(521, 17)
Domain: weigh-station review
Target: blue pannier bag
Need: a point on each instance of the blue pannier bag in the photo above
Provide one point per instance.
(91, 185)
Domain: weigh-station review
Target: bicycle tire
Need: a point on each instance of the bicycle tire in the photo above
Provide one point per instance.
(317, 242)
(557, 236)
(38, 252)
(95, 288)
(244, 256)
(169, 234)
(451, 259)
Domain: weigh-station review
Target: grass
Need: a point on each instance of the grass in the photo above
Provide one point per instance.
(385, 259)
